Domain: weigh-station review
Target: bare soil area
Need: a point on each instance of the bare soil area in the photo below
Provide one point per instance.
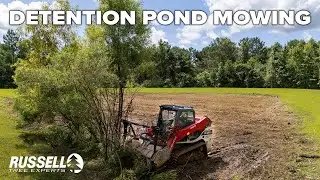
(254, 136)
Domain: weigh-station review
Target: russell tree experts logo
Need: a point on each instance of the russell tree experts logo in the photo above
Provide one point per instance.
(75, 163)
(46, 164)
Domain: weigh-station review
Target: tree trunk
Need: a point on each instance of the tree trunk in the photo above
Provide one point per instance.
(120, 106)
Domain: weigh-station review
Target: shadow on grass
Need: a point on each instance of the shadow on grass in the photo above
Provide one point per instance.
(40, 150)
(39, 143)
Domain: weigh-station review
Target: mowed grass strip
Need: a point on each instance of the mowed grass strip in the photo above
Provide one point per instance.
(9, 140)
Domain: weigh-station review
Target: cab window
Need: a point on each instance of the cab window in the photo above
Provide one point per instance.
(185, 119)
(168, 117)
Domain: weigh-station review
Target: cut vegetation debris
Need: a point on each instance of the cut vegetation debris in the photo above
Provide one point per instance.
(257, 136)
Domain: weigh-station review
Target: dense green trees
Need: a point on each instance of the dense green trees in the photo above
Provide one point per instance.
(5, 66)
(223, 63)
(10, 51)
(252, 48)
(71, 91)
(166, 66)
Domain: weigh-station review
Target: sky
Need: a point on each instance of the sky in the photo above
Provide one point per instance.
(199, 36)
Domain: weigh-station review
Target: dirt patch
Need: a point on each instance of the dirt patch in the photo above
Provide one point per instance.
(254, 136)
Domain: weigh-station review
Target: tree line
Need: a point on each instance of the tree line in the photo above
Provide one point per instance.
(223, 63)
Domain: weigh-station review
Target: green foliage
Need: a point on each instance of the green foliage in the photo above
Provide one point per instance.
(166, 66)
(58, 83)
(71, 91)
(276, 70)
(5, 66)
(252, 48)
(66, 90)
(170, 175)
(127, 164)
(205, 79)
(10, 51)
(12, 40)
(220, 50)
(126, 175)
(224, 64)
(125, 43)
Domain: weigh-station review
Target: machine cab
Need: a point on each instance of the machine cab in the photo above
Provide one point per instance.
(173, 117)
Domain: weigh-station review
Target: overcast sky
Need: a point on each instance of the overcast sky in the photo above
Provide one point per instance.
(202, 35)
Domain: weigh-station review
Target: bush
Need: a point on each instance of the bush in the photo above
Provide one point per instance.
(186, 80)
(170, 175)
(126, 159)
(204, 79)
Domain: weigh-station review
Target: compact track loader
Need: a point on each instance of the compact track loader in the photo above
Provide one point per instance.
(177, 133)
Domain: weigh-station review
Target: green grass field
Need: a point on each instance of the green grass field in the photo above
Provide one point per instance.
(9, 140)
(304, 103)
